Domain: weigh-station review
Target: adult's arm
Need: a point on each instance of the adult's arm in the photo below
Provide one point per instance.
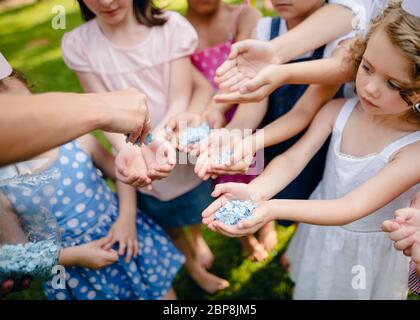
(30, 125)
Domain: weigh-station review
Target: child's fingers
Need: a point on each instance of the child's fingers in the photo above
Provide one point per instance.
(407, 252)
(405, 243)
(111, 256)
(222, 73)
(170, 154)
(390, 226)
(121, 247)
(136, 248)
(212, 208)
(241, 86)
(121, 167)
(402, 233)
(223, 188)
(231, 97)
(252, 85)
(172, 124)
(211, 227)
(203, 145)
(405, 214)
(130, 250)
(232, 81)
(106, 242)
(203, 171)
(230, 231)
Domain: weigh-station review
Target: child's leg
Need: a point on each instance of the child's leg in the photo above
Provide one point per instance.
(267, 236)
(254, 249)
(207, 281)
(202, 251)
(284, 262)
(170, 295)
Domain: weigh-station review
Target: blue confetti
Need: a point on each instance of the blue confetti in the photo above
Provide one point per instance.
(234, 211)
(149, 139)
(34, 259)
(224, 156)
(194, 135)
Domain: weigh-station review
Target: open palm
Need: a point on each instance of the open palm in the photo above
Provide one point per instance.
(246, 60)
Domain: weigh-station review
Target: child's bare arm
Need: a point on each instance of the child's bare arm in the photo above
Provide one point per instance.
(247, 22)
(300, 116)
(296, 42)
(88, 255)
(202, 92)
(100, 156)
(397, 177)
(249, 116)
(287, 166)
(179, 91)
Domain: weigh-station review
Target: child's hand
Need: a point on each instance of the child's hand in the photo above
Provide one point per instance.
(404, 229)
(225, 192)
(214, 117)
(268, 79)
(131, 168)
(246, 59)
(179, 123)
(124, 232)
(240, 161)
(260, 215)
(93, 255)
(211, 148)
(160, 158)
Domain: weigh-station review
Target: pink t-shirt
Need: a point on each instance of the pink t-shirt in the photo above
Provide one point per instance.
(146, 67)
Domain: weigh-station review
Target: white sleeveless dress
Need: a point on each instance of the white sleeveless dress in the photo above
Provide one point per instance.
(357, 260)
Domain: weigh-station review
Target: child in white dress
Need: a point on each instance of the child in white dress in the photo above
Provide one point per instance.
(371, 171)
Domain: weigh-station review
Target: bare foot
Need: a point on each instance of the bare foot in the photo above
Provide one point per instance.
(284, 262)
(268, 236)
(201, 251)
(254, 249)
(206, 280)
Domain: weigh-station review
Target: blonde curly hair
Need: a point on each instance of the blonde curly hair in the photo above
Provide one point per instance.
(403, 30)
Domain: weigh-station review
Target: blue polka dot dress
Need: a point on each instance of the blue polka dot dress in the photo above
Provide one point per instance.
(85, 209)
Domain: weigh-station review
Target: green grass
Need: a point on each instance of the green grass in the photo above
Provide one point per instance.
(31, 45)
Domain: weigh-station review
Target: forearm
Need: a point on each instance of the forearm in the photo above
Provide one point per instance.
(127, 201)
(248, 116)
(300, 116)
(117, 140)
(45, 121)
(222, 107)
(320, 212)
(68, 257)
(276, 176)
(202, 94)
(296, 42)
(328, 71)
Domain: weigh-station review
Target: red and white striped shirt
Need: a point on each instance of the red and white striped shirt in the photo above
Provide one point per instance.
(414, 279)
